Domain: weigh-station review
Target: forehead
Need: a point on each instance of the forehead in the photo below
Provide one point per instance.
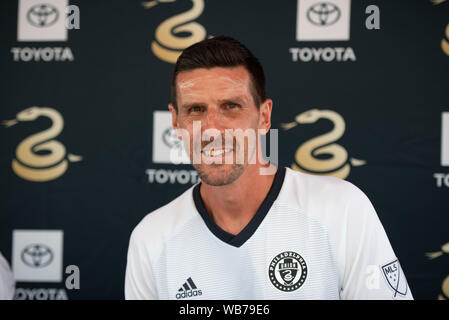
(216, 82)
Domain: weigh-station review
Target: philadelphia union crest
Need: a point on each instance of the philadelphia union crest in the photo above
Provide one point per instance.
(287, 271)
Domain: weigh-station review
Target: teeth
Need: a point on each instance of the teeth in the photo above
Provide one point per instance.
(214, 153)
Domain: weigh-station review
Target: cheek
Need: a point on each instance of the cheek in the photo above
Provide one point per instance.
(251, 121)
(186, 127)
(185, 122)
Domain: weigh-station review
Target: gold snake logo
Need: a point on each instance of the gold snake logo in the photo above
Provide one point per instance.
(38, 157)
(444, 42)
(306, 155)
(436, 2)
(445, 284)
(168, 46)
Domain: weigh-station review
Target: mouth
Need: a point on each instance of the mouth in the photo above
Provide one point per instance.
(216, 154)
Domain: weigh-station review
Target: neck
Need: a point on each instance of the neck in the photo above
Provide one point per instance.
(232, 206)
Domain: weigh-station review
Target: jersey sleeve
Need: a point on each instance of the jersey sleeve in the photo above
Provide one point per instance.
(139, 279)
(372, 270)
(7, 283)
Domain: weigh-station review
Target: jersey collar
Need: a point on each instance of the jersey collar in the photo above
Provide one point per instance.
(240, 238)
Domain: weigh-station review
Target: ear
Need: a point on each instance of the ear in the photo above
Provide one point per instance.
(265, 115)
(174, 117)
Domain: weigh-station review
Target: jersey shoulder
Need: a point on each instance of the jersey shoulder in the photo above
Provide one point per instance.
(332, 201)
(307, 189)
(164, 222)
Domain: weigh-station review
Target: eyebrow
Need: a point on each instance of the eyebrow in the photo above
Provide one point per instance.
(193, 104)
(237, 100)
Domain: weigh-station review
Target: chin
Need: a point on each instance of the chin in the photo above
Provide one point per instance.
(219, 174)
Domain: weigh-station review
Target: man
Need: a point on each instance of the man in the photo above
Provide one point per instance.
(250, 230)
(7, 283)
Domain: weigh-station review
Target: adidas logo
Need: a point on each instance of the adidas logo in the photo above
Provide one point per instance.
(188, 289)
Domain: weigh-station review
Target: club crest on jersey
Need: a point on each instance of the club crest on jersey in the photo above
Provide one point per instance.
(287, 271)
(395, 277)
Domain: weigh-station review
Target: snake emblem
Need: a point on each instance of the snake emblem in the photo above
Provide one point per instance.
(306, 156)
(445, 42)
(168, 44)
(39, 157)
(445, 284)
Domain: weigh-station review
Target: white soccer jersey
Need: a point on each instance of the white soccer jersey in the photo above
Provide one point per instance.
(312, 238)
(7, 283)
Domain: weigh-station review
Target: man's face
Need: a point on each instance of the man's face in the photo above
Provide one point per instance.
(219, 99)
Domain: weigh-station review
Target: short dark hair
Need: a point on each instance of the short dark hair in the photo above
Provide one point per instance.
(221, 51)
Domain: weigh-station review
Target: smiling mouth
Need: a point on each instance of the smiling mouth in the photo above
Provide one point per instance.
(216, 152)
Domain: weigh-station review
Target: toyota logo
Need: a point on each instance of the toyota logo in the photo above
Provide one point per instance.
(42, 15)
(171, 139)
(37, 255)
(323, 14)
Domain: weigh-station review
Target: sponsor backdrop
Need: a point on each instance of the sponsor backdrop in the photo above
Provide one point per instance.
(360, 91)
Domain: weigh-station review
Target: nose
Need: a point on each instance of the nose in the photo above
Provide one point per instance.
(213, 126)
(213, 120)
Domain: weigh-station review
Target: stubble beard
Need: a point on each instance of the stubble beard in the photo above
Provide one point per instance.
(216, 174)
(220, 179)
(224, 174)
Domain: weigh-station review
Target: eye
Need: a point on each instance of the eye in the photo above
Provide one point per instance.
(196, 109)
(232, 106)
